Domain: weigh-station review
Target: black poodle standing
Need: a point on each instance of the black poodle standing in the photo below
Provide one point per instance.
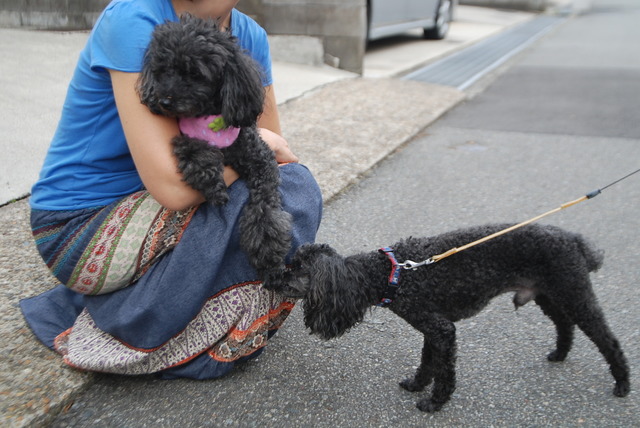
(197, 73)
(542, 263)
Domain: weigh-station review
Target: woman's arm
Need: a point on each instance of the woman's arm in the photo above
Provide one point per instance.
(270, 119)
(269, 127)
(149, 139)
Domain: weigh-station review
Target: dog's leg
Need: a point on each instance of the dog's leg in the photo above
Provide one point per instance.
(581, 305)
(201, 166)
(591, 321)
(424, 374)
(265, 227)
(564, 328)
(440, 339)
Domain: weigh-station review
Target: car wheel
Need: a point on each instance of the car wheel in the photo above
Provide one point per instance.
(443, 18)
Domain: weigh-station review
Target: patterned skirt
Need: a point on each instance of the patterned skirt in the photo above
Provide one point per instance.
(149, 290)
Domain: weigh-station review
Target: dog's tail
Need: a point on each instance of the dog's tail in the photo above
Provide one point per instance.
(593, 256)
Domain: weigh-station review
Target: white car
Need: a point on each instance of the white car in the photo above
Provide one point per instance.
(390, 17)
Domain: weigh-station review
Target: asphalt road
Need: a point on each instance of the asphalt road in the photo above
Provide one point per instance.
(560, 122)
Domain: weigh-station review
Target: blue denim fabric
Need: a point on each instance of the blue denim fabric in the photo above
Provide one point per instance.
(207, 259)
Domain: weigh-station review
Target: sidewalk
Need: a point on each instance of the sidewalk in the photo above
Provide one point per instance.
(340, 125)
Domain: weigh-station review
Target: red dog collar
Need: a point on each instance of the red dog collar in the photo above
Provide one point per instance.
(394, 278)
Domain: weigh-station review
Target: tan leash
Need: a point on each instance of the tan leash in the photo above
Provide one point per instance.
(409, 264)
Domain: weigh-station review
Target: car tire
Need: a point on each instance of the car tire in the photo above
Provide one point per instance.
(443, 18)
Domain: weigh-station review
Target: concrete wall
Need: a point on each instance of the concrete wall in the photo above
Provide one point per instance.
(50, 14)
(339, 24)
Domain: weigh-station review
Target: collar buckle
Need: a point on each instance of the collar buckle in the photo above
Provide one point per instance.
(410, 264)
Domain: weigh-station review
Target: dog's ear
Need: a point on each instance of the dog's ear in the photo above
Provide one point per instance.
(241, 93)
(146, 83)
(146, 87)
(334, 301)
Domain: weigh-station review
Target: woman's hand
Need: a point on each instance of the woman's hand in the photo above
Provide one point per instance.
(279, 146)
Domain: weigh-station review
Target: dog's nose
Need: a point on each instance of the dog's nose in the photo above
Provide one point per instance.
(166, 102)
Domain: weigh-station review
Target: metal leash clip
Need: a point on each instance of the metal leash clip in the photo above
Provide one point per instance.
(410, 264)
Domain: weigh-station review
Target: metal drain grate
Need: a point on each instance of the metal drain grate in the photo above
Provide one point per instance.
(463, 68)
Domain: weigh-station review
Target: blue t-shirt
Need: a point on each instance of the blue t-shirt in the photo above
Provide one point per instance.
(88, 163)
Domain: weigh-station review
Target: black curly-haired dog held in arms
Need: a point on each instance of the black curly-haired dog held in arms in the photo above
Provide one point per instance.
(542, 263)
(198, 74)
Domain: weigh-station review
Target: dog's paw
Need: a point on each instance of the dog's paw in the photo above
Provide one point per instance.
(411, 385)
(428, 405)
(556, 356)
(622, 388)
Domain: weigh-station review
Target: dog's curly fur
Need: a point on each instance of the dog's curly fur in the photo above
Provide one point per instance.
(541, 263)
(193, 69)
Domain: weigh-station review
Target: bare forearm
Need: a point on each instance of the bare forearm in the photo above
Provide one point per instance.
(270, 119)
(149, 139)
(269, 124)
